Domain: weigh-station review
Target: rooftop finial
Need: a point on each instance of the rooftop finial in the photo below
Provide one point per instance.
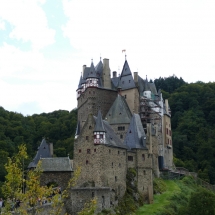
(92, 60)
(125, 53)
(100, 57)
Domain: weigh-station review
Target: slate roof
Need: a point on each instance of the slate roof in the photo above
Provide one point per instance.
(43, 152)
(115, 81)
(92, 72)
(126, 78)
(99, 72)
(111, 139)
(57, 164)
(80, 82)
(119, 112)
(153, 88)
(135, 137)
(141, 85)
(147, 86)
(99, 123)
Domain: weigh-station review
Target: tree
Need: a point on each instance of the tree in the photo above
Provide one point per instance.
(34, 193)
(14, 185)
(202, 202)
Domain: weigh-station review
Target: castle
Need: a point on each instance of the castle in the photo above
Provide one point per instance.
(123, 122)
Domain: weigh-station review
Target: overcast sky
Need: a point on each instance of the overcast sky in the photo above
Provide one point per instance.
(45, 43)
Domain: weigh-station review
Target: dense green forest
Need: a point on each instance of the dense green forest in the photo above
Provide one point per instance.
(58, 127)
(193, 125)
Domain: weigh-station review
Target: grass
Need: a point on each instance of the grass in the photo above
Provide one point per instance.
(160, 201)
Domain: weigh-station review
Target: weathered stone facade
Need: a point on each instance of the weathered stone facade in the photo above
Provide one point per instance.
(105, 152)
(60, 178)
(123, 123)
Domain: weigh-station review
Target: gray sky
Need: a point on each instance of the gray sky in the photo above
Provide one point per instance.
(44, 43)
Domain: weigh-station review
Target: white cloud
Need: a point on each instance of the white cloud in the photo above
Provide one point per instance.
(161, 37)
(29, 22)
(2, 25)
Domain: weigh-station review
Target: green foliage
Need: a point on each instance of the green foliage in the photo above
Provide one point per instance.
(58, 127)
(169, 84)
(201, 202)
(89, 208)
(193, 113)
(159, 185)
(132, 199)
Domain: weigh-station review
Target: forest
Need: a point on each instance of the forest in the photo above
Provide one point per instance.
(193, 124)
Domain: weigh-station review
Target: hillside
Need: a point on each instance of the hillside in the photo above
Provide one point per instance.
(181, 197)
(193, 125)
(58, 127)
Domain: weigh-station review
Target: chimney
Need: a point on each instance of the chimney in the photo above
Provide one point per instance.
(106, 74)
(135, 77)
(84, 66)
(106, 62)
(114, 74)
(51, 148)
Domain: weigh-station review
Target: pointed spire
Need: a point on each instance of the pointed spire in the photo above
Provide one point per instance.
(80, 82)
(92, 72)
(147, 87)
(99, 123)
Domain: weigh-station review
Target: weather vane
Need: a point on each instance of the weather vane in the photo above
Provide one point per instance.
(125, 53)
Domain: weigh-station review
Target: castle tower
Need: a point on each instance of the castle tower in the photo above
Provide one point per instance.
(106, 74)
(99, 130)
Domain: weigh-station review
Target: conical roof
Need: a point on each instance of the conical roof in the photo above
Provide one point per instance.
(135, 137)
(126, 78)
(99, 123)
(119, 112)
(43, 152)
(147, 86)
(92, 72)
(80, 82)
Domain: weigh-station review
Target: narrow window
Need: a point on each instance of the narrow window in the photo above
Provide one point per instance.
(112, 164)
(143, 157)
(119, 164)
(115, 178)
(87, 162)
(94, 150)
(118, 152)
(121, 136)
(130, 131)
(90, 127)
(87, 138)
(167, 131)
(109, 151)
(79, 150)
(89, 92)
(129, 81)
(144, 172)
(93, 194)
(125, 96)
(88, 151)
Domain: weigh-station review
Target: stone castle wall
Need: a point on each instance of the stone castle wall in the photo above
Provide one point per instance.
(132, 99)
(60, 178)
(94, 99)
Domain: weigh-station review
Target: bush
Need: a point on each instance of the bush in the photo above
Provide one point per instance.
(159, 185)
